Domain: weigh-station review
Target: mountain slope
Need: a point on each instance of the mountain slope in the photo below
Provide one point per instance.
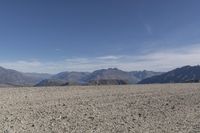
(9, 77)
(140, 75)
(38, 76)
(108, 82)
(110, 73)
(64, 78)
(114, 73)
(179, 75)
(51, 82)
(70, 76)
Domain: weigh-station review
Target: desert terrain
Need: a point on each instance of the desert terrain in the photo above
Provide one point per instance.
(167, 108)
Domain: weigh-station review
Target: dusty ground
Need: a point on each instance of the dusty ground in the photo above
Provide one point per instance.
(138, 109)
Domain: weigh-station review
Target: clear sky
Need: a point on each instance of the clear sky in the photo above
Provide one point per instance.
(84, 35)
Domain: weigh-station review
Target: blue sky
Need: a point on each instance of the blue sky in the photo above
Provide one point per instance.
(84, 35)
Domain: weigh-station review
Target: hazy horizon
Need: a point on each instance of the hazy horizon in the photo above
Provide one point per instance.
(52, 36)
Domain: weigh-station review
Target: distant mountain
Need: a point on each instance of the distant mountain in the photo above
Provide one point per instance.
(180, 75)
(38, 76)
(64, 78)
(103, 76)
(140, 75)
(108, 74)
(9, 77)
(71, 76)
(108, 82)
(114, 73)
(51, 82)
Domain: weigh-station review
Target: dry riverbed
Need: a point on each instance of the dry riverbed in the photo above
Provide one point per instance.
(169, 108)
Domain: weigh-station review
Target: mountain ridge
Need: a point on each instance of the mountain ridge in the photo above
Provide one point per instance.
(101, 76)
(12, 77)
(183, 74)
(9, 77)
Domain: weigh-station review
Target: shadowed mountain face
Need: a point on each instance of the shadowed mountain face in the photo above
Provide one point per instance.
(70, 76)
(51, 82)
(114, 73)
(107, 74)
(64, 78)
(112, 76)
(10, 77)
(179, 75)
(108, 82)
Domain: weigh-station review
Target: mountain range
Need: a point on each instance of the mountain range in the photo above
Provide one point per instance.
(9, 77)
(100, 77)
(186, 74)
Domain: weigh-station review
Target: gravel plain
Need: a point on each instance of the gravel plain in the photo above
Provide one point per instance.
(167, 108)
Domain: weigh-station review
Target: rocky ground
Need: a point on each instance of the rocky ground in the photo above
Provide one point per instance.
(170, 108)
